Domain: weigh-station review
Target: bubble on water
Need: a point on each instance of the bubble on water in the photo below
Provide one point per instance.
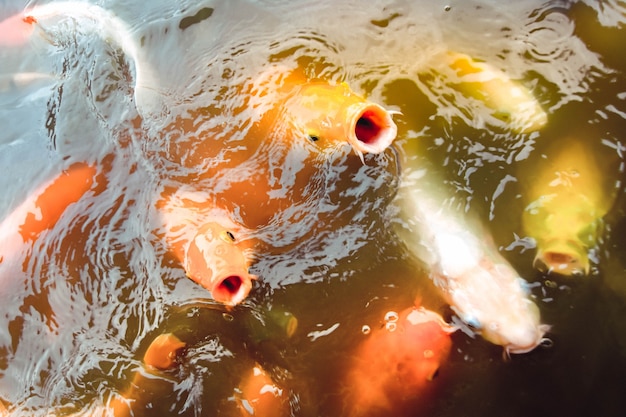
(550, 284)
(228, 317)
(391, 326)
(447, 8)
(366, 329)
(391, 317)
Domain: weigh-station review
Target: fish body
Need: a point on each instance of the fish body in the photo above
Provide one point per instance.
(509, 100)
(43, 208)
(397, 361)
(482, 288)
(259, 395)
(567, 203)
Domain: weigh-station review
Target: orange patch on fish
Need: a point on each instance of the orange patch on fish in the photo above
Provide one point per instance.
(397, 361)
(259, 395)
(55, 197)
(16, 30)
(162, 352)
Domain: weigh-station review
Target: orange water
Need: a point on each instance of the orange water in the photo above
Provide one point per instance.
(78, 314)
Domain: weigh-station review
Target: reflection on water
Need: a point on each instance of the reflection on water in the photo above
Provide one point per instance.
(83, 301)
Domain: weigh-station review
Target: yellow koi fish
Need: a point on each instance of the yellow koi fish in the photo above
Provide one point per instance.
(323, 112)
(509, 101)
(567, 202)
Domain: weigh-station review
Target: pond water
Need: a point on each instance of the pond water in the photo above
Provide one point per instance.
(81, 303)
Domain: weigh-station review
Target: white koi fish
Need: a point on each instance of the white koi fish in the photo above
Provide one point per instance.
(481, 287)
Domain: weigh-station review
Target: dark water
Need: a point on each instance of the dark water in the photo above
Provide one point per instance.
(93, 292)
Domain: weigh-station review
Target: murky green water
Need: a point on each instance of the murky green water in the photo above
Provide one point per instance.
(80, 305)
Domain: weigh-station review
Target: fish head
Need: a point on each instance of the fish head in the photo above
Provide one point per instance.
(493, 301)
(517, 330)
(218, 263)
(259, 395)
(330, 114)
(562, 256)
(398, 360)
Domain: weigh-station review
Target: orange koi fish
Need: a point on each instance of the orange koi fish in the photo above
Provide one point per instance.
(480, 285)
(208, 250)
(326, 113)
(45, 206)
(509, 101)
(162, 354)
(567, 204)
(397, 361)
(259, 395)
(302, 118)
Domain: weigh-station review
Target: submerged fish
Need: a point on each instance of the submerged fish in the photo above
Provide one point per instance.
(259, 395)
(567, 204)
(481, 287)
(397, 361)
(42, 209)
(161, 355)
(510, 101)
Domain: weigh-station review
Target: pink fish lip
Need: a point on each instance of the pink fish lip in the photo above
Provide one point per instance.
(540, 340)
(567, 258)
(232, 287)
(371, 128)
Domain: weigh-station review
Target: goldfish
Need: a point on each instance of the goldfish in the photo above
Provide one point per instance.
(397, 361)
(509, 101)
(207, 248)
(327, 113)
(42, 209)
(480, 285)
(567, 203)
(259, 395)
(162, 354)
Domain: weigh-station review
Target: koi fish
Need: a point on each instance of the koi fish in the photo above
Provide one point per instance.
(208, 250)
(567, 205)
(42, 22)
(510, 101)
(482, 288)
(161, 355)
(326, 113)
(259, 395)
(44, 207)
(397, 361)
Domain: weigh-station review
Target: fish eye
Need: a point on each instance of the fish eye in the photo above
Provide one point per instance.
(313, 138)
(227, 236)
